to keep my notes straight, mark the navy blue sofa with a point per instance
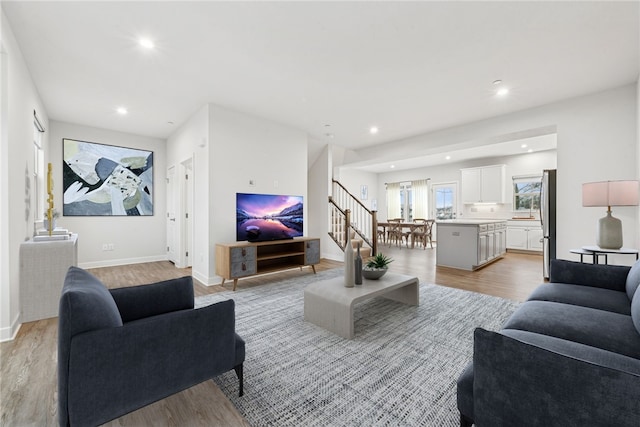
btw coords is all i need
(568, 356)
(122, 349)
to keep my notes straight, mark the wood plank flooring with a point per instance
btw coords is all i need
(28, 382)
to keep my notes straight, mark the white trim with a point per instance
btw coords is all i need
(123, 261)
(9, 334)
(207, 281)
(332, 257)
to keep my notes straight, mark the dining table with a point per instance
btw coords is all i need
(409, 226)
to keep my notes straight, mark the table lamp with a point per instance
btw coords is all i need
(610, 193)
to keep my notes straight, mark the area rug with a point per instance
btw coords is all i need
(400, 370)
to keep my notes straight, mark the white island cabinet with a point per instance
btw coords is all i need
(470, 244)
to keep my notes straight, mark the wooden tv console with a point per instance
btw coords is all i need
(243, 259)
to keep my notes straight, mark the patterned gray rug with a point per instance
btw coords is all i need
(400, 370)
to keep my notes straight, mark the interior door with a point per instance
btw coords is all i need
(172, 230)
(188, 213)
(444, 202)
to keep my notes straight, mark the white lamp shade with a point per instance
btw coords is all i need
(595, 194)
(623, 193)
(610, 193)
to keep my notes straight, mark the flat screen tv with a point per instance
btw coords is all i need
(263, 217)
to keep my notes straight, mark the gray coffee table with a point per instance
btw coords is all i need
(329, 304)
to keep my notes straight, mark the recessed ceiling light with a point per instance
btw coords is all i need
(122, 110)
(392, 166)
(503, 91)
(373, 130)
(523, 146)
(146, 43)
(447, 158)
(530, 150)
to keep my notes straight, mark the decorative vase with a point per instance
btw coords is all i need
(349, 276)
(357, 266)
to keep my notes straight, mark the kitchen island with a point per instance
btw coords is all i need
(470, 244)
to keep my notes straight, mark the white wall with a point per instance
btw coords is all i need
(135, 238)
(319, 188)
(239, 148)
(597, 140)
(191, 140)
(353, 179)
(19, 98)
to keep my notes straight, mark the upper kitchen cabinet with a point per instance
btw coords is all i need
(483, 185)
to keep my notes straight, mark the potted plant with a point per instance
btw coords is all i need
(54, 215)
(376, 266)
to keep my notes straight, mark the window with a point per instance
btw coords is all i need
(406, 202)
(444, 201)
(526, 193)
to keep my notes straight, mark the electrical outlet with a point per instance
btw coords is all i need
(105, 247)
(110, 246)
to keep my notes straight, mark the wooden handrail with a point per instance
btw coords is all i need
(365, 221)
(355, 199)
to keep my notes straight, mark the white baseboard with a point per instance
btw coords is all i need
(9, 333)
(333, 257)
(123, 261)
(205, 280)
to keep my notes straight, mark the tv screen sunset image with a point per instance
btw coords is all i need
(268, 217)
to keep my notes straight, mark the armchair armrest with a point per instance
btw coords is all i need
(612, 277)
(517, 383)
(118, 370)
(142, 301)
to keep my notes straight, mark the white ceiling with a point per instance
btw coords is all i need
(406, 67)
(520, 146)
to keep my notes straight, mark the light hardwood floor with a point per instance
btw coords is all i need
(28, 387)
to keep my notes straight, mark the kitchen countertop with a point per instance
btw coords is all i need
(471, 221)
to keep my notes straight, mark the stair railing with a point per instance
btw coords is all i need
(359, 218)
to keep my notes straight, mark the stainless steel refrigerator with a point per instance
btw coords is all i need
(548, 218)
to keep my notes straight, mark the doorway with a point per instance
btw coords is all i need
(444, 200)
(187, 217)
(180, 214)
(172, 230)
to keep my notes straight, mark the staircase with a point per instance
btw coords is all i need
(348, 215)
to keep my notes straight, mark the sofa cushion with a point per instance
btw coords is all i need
(597, 328)
(633, 280)
(596, 275)
(635, 311)
(585, 296)
(86, 304)
(139, 302)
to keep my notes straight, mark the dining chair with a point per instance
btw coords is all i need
(422, 232)
(395, 234)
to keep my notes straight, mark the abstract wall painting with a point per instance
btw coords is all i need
(106, 180)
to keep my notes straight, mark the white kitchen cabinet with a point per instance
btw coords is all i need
(483, 185)
(470, 244)
(524, 236)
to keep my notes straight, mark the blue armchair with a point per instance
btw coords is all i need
(122, 349)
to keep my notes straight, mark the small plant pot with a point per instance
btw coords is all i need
(373, 274)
